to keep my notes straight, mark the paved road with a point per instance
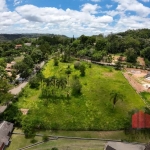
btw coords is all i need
(17, 90)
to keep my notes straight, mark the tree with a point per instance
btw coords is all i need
(101, 44)
(61, 82)
(4, 88)
(41, 78)
(12, 114)
(34, 82)
(29, 125)
(115, 96)
(37, 55)
(3, 73)
(56, 62)
(131, 55)
(76, 86)
(146, 53)
(77, 65)
(28, 61)
(83, 39)
(82, 69)
(118, 65)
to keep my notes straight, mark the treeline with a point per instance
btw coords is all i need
(7, 37)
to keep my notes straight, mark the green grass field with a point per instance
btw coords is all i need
(146, 97)
(92, 110)
(19, 141)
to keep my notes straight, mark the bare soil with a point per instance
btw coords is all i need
(136, 79)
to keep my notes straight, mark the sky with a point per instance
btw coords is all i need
(73, 17)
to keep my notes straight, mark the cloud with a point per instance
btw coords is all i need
(3, 6)
(17, 2)
(108, 6)
(53, 20)
(89, 8)
(95, 1)
(133, 5)
(89, 20)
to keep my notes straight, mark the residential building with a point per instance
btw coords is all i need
(124, 146)
(6, 129)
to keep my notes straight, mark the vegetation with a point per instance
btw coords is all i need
(19, 141)
(89, 110)
(80, 93)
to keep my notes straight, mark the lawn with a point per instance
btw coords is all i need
(19, 141)
(19, 58)
(146, 97)
(92, 110)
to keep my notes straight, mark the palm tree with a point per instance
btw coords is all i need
(115, 96)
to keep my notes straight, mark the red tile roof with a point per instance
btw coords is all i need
(140, 120)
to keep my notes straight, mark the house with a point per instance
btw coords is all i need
(27, 44)
(123, 146)
(6, 129)
(18, 46)
(140, 120)
(9, 66)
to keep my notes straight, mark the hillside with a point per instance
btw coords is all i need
(7, 37)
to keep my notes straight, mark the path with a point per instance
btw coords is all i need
(17, 90)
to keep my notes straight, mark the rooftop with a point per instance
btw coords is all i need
(5, 130)
(124, 146)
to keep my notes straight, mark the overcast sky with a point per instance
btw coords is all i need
(73, 17)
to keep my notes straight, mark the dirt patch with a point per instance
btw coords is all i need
(141, 61)
(136, 78)
(133, 82)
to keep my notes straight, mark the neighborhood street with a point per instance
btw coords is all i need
(17, 90)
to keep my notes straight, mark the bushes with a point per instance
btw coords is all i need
(45, 138)
(76, 86)
(77, 65)
(56, 62)
(81, 67)
(34, 83)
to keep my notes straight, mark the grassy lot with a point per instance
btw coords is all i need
(18, 59)
(146, 96)
(19, 141)
(92, 110)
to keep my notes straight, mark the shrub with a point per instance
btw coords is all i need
(54, 148)
(77, 65)
(56, 62)
(34, 83)
(33, 141)
(45, 138)
(68, 70)
(76, 86)
(82, 69)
